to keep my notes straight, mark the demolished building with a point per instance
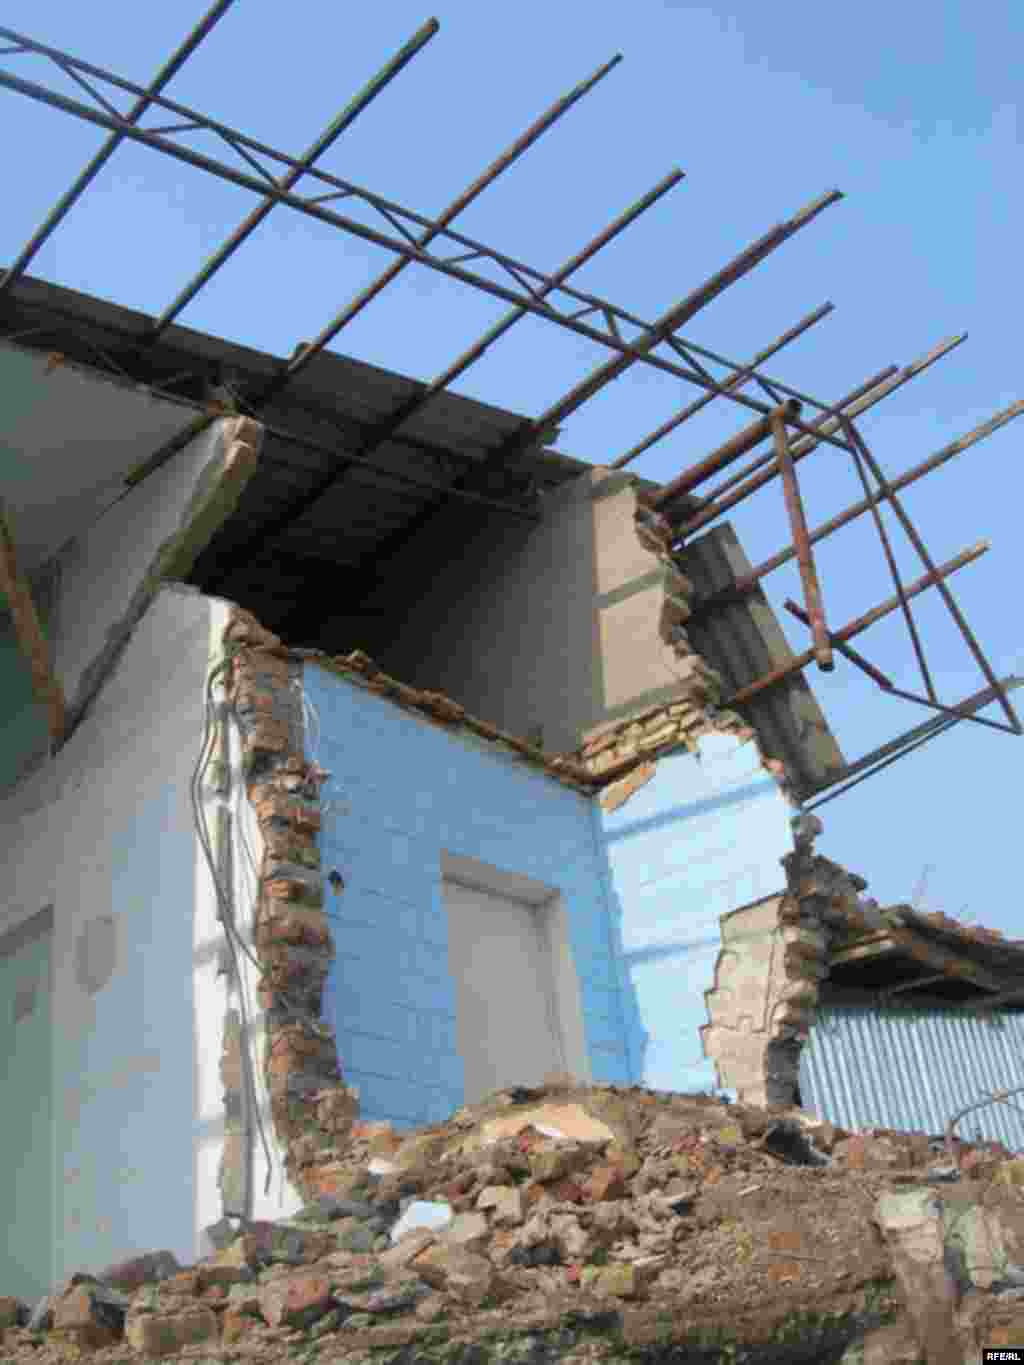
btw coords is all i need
(310, 671)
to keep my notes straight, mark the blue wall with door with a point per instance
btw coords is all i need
(402, 790)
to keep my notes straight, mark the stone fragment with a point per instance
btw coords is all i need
(238, 1322)
(81, 1320)
(463, 1274)
(605, 1182)
(408, 1247)
(505, 1202)
(470, 1230)
(160, 1334)
(619, 1281)
(554, 1163)
(296, 1301)
(9, 1311)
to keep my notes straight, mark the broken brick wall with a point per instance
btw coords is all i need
(774, 957)
(353, 868)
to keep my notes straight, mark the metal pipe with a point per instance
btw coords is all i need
(847, 632)
(763, 461)
(904, 744)
(798, 525)
(951, 710)
(947, 597)
(613, 229)
(804, 447)
(678, 315)
(740, 378)
(387, 428)
(265, 187)
(848, 652)
(64, 204)
(313, 153)
(749, 581)
(736, 446)
(462, 201)
(859, 448)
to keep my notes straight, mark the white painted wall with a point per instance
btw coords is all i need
(105, 833)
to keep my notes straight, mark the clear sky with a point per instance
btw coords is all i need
(912, 110)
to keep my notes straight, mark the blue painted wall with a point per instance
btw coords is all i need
(401, 791)
(703, 837)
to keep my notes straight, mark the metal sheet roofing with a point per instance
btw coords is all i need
(743, 641)
(911, 1069)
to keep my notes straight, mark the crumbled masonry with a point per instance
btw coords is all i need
(310, 1104)
(585, 1224)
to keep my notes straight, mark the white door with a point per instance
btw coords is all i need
(500, 960)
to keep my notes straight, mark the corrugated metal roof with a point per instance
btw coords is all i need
(743, 641)
(911, 1069)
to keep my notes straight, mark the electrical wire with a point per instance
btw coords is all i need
(234, 940)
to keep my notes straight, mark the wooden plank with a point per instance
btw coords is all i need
(30, 635)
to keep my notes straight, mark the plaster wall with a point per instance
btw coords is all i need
(704, 836)
(104, 833)
(111, 569)
(403, 797)
(544, 629)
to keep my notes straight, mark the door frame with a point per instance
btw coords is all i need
(565, 1001)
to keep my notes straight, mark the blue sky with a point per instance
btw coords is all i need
(912, 110)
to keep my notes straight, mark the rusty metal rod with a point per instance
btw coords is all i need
(804, 447)
(46, 686)
(331, 133)
(553, 282)
(738, 380)
(315, 207)
(763, 461)
(462, 201)
(145, 98)
(678, 315)
(915, 539)
(749, 581)
(859, 450)
(736, 446)
(798, 526)
(847, 632)
(847, 651)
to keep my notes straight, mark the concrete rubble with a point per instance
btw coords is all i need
(583, 1224)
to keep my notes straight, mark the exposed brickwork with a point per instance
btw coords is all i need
(311, 1107)
(775, 955)
(632, 745)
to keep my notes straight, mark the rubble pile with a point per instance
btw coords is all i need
(586, 1224)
